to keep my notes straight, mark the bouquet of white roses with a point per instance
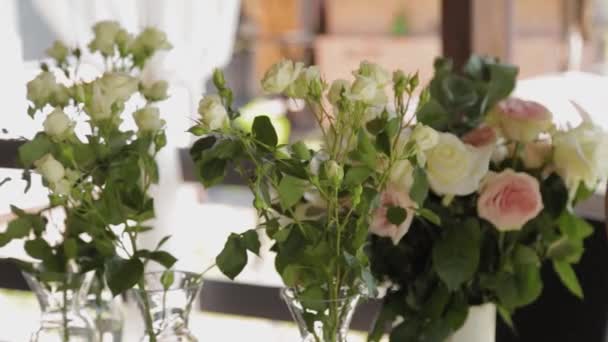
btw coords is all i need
(318, 205)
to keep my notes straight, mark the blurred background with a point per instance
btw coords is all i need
(561, 47)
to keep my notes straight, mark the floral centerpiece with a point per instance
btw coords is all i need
(318, 205)
(98, 171)
(501, 180)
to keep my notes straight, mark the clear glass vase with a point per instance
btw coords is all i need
(321, 320)
(60, 297)
(104, 311)
(166, 308)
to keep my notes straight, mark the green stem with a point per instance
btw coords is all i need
(64, 312)
(147, 314)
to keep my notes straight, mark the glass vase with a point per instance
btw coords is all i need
(60, 297)
(321, 320)
(166, 305)
(104, 311)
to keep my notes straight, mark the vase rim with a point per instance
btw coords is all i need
(60, 276)
(185, 274)
(289, 293)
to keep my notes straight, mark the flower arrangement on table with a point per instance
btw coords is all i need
(100, 172)
(501, 181)
(316, 205)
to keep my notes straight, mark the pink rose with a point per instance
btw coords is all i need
(481, 136)
(381, 225)
(520, 120)
(509, 199)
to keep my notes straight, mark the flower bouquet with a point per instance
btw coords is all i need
(317, 205)
(97, 172)
(501, 181)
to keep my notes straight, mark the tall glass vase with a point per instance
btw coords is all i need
(104, 311)
(167, 305)
(321, 321)
(60, 300)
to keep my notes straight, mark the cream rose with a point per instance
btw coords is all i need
(150, 40)
(156, 91)
(425, 137)
(213, 113)
(509, 199)
(337, 88)
(520, 120)
(50, 168)
(41, 88)
(62, 187)
(105, 35)
(118, 86)
(98, 106)
(148, 119)
(57, 124)
(375, 72)
(301, 86)
(280, 76)
(58, 51)
(380, 224)
(366, 90)
(581, 155)
(454, 168)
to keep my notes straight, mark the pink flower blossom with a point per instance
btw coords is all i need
(481, 136)
(381, 225)
(509, 199)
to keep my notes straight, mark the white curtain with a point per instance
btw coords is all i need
(202, 33)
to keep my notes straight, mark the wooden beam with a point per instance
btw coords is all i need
(492, 28)
(456, 30)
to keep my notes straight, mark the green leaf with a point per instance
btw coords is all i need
(506, 316)
(201, 145)
(429, 215)
(70, 248)
(365, 151)
(252, 241)
(434, 115)
(123, 274)
(263, 131)
(568, 277)
(383, 142)
(301, 151)
(4, 240)
(34, 150)
(5, 180)
(565, 249)
(167, 279)
(38, 249)
(313, 298)
(356, 175)
(163, 258)
(211, 172)
(503, 78)
(456, 255)
(376, 125)
(18, 228)
(573, 226)
(291, 190)
(420, 187)
(233, 257)
(554, 194)
(396, 215)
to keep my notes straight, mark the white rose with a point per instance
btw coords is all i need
(454, 168)
(62, 187)
(148, 119)
(98, 107)
(366, 90)
(581, 155)
(58, 124)
(50, 168)
(58, 51)
(425, 137)
(280, 76)
(334, 172)
(375, 72)
(41, 88)
(337, 88)
(105, 36)
(118, 86)
(301, 86)
(213, 113)
(60, 96)
(149, 41)
(156, 91)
